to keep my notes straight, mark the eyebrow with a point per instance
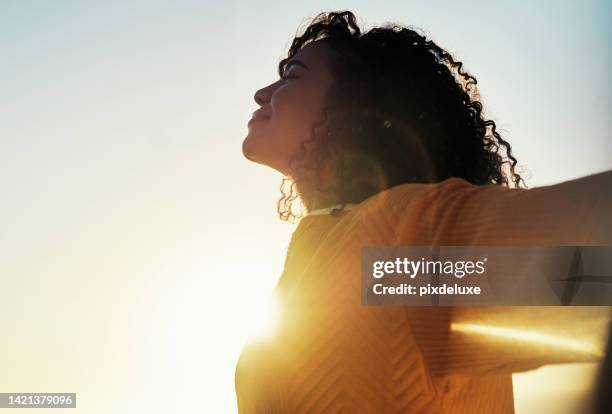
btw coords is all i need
(296, 62)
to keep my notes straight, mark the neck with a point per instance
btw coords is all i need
(315, 199)
(323, 202)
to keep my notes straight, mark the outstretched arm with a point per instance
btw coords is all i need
(455, 212)
(502, 340)
(479, 340)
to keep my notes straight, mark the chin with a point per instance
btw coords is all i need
(249, 149)
(262, 151)
(247, 146)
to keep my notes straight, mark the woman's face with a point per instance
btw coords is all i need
(289, 108)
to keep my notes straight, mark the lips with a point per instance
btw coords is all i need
(257, 117)
(253, 120)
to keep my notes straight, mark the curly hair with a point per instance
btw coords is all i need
(401, 110)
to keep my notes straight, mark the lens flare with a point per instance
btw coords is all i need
(532, 337)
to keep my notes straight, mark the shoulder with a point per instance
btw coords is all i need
(396, 199)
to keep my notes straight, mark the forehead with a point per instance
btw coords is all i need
(316, 56)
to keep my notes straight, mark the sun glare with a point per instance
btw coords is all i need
(262, 317)
(534, 337)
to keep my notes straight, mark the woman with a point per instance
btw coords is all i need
(382, 138)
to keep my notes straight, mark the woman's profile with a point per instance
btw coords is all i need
(382, 138)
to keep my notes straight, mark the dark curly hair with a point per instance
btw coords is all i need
(401, 110)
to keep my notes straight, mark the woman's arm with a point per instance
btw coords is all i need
(485, 340)
(498, 340)
(455, 212)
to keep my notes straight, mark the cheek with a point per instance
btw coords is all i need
(295, 112)
(286, 135)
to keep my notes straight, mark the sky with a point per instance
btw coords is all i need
(138, 247)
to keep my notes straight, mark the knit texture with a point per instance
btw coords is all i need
(330, 354)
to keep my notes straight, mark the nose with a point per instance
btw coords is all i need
(259, 98)
(262, 96)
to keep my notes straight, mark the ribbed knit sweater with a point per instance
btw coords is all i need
(331, 354)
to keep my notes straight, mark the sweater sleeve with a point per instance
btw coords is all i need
(496, 340)
(455, 212)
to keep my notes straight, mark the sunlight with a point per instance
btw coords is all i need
(262, 319)
(219, 309)
(534, 337)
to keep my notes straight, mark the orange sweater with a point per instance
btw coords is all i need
(333, 355)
